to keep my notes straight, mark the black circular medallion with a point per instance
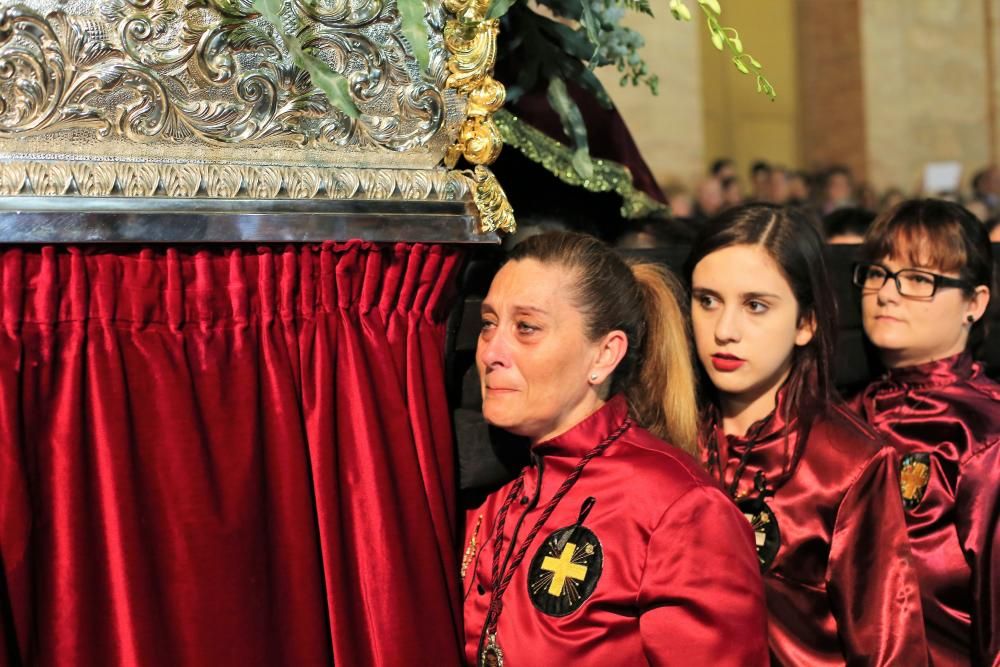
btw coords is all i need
(767, 537)
(565, 570)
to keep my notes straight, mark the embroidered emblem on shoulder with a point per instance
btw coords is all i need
(766, 535)
(565, 570)
(914, 474)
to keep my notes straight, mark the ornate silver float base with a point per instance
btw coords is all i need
(29, 219)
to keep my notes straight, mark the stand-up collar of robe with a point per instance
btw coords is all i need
(580, 439)
(948, 391)
(767, 438)
(938, 373)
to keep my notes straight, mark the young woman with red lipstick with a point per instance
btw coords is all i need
(613, 547)
(819, 490)
(925, 285)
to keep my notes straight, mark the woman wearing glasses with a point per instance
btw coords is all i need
(817, 487)
(925, 285)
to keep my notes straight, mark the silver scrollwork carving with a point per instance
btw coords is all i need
(175, 78)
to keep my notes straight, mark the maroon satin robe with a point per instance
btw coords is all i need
(943, 418)
(679, 584)
(841, 588)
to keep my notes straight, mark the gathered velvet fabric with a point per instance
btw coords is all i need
(233, 456)
(841, 588)
(943, 418)
(678, 585)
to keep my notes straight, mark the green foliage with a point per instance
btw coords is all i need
(724, 37)
(639, 6)
(679, 10)
(333, 84)
(544, 49)
(573, 126)
(411, 16)
(498, 8)
(615, 44)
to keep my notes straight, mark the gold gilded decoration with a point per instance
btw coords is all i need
(135, 180)
(472, 42)
(45, 180)
(494, 210)
(482, 140)
(567, 566)
(914, 475)
(471, 39)
(252, 182)
(473, 46)
(608, 176)
(12, 177)
(93, 180)
(470, 548)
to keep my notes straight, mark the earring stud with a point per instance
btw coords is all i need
(593, 377)
(970, 318)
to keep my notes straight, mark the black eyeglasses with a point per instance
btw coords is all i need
(909, 282)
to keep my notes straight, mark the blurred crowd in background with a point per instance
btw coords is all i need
(844, 206)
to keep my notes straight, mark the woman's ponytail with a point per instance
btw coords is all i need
(663, 392)
(644, 301)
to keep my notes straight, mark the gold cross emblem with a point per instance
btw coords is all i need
(913, 478)
(563, 568)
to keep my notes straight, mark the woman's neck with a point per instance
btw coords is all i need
(591, 404)
(741, 411)
(907, 358)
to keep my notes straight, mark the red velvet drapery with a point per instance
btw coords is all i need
(226, 456)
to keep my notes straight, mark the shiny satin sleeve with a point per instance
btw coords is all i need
(701, 598)
(977, 515)
(873, 586)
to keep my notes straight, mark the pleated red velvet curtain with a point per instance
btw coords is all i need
(233, 456)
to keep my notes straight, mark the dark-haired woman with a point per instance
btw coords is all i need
(925, 285)
(815, 484)
(613, 547)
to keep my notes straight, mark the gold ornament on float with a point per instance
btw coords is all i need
(471, 39)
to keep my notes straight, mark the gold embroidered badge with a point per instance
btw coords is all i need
(565, 570)
(914, 474)
(767, 536)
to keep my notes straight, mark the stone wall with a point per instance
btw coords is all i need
(926, 87)
(740, 123)
(883, 86)
(831, 92)
(667, 127)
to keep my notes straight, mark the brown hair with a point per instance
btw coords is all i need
(940, 235)
(789, 236)
(643, 301)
